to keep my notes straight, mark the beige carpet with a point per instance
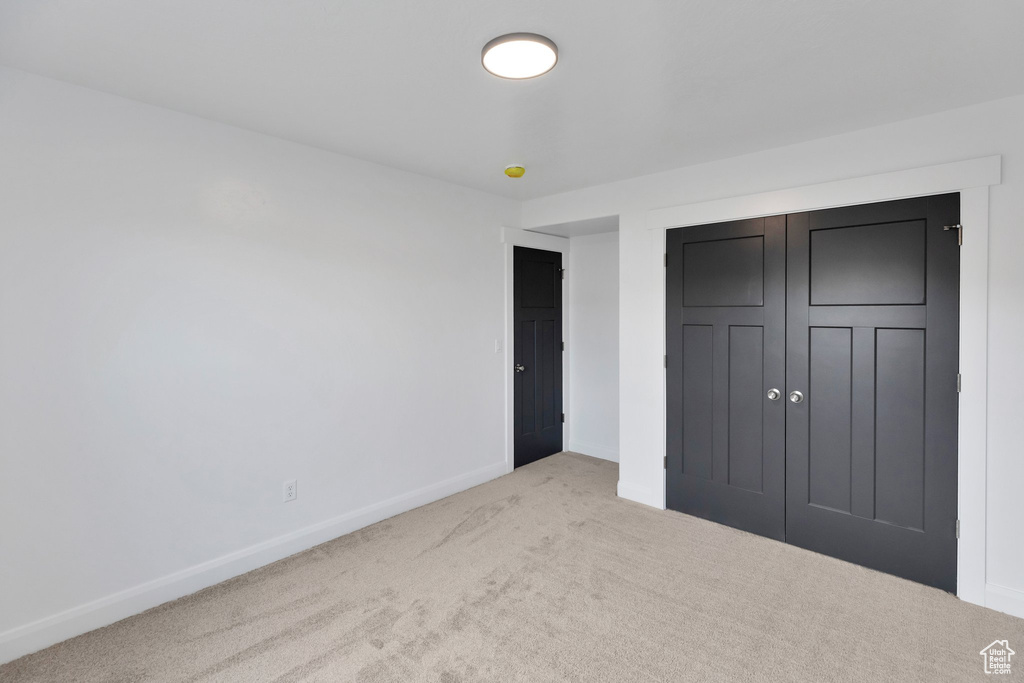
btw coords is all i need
(544, 575)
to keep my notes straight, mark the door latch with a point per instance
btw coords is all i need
(959, 232)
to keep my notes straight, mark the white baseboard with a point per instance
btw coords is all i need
(1009, 600)
(37, 635)
(640, 494)
(593, 450)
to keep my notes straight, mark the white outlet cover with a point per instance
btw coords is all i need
(290, 491)
(497, 346)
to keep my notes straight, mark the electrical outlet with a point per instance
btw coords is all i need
(290, 490)
(497, 346)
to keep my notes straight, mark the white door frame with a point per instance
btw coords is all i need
(513, 237)
(972, 179)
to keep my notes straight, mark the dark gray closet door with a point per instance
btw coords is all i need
(871, 449)
(726, 350)
(537, 315)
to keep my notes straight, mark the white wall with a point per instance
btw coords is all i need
(593, 276)
(992, 128)
(189, 315)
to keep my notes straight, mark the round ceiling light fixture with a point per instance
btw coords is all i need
(519, 55)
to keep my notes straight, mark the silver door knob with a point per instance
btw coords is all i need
(520, 368)
(796, 397)
(774, 394)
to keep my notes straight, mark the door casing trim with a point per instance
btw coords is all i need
(511, 238)
(972, 179)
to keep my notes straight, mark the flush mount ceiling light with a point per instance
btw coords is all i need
(519, 55)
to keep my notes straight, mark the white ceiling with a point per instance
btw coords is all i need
(581, 228)
(641, 85)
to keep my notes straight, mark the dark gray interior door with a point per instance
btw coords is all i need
(537, 316)
(873, 301)
(726, 352)
(852, 315)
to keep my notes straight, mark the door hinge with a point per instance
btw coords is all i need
(959, 382)
(665, 462)
(666, 259)
(666, 361)
(561, 272)
(958, 528)
(563, 417)
(959, 232)
(563, 346)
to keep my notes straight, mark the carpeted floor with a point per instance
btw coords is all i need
(544, 575)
